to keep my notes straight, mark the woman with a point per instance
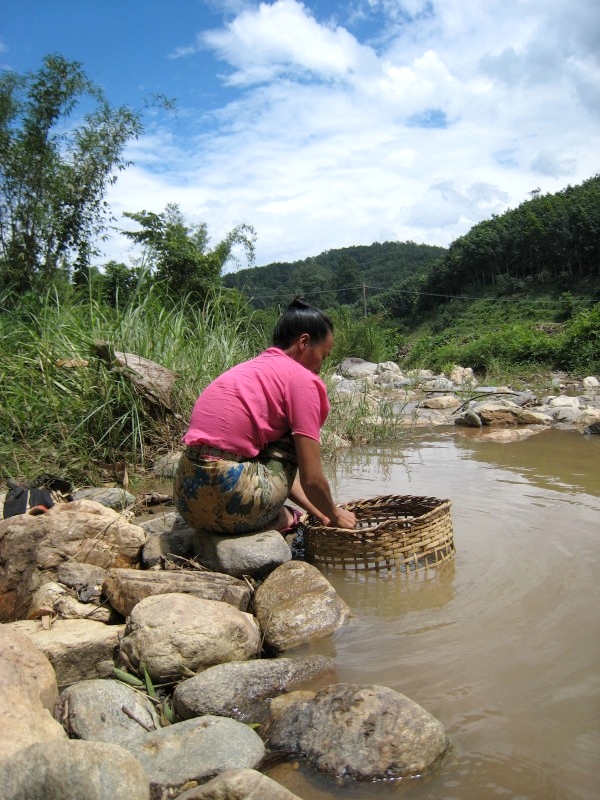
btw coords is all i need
(253, 438)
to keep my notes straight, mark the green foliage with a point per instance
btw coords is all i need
(579, 347)
(54, 173)
(180, 255)
(368, 338)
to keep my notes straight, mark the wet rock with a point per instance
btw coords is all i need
(196, 750)
(110, 497)
(470, 419)
(28, 692)
(168, 536)
(242, 690)
(254, 554)
(103, 711)
(508, 435)
(173, 634)
(32, 548)
(594, 428)
(74, 647)
(295, 604)
(72, 770)
(66, 605)
(124, 588)
(366, 732)
(239, 784)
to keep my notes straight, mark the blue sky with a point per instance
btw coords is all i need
(326, 124)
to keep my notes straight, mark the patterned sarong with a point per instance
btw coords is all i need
(219, 492)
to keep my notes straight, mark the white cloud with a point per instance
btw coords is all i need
(451, 113)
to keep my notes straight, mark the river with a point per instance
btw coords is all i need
(501, 643)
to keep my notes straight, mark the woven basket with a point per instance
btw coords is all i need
(393, 534)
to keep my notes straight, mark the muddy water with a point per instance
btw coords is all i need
(501, 644)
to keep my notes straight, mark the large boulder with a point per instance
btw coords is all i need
(124, 588)
(349, 731)
(254, 554)
(32, 548)
(243, 689)
(76, 648)
(72, 770)
(28, 692)
(195, 750)
(175, 634)
(295, 604)
(503, 412)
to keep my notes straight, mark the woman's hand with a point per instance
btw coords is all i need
(343, 519)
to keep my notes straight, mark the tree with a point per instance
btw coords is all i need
(53, 173)
(180, 254)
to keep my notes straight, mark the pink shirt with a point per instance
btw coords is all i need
(257, 402)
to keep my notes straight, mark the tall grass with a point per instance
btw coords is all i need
(64, 409)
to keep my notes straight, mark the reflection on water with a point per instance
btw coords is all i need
(501, 644)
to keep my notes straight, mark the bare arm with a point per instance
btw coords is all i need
(314, 486)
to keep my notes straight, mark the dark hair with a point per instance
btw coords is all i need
(299, 318)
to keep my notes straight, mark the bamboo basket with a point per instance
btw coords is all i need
(394, 534)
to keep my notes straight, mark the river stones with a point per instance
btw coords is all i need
(351, 731)
(243, 689)
(174, 634)
(295, 604)
(239, 784)
(71, 770)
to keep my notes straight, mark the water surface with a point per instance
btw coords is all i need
(501, 643)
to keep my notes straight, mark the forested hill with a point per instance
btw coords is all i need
(336, 277)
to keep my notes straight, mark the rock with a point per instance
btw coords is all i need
(94, 710)
(443, 401)
(563, 401)
(461, 375)
(389, 366)
(32, 548)
(594, 428)
(124, 588)
(295, 604)
(166, 466)
(243, 689)
(503, 412)
(357, 368)
(173, 634)
(74, 647)
(346, 387)
(387, 378)
(470, 419)
(591, 382)
(111, 497)
(566, 414)
(66, 606)
(440, 384)
(239, 784)
(418, 375)
(254, 554)
(365, 732)
(508, 435)
(86, 579)
(28, 693)
(196, 750)
(168, 536)
(72, 770)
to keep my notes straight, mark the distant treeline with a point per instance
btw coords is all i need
(548, 244)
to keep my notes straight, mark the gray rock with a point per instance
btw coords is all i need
(366, 732)
(591, 382)
(440, 383)
(196, 750)
(72, 770)
(242, 690)
(124, 588)
(169, 536)
(594, 428)
(295, 604)
(86, 579)
(111, 497)
(166, 466)
(94, 710)
(239, 784)
(470, 419)
(357, 368)
(172, 634)
(62, 601)
(566, 414)
(254, 554)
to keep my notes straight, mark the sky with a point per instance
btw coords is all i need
(328, 124)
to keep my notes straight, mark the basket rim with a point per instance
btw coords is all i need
(439, 506)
